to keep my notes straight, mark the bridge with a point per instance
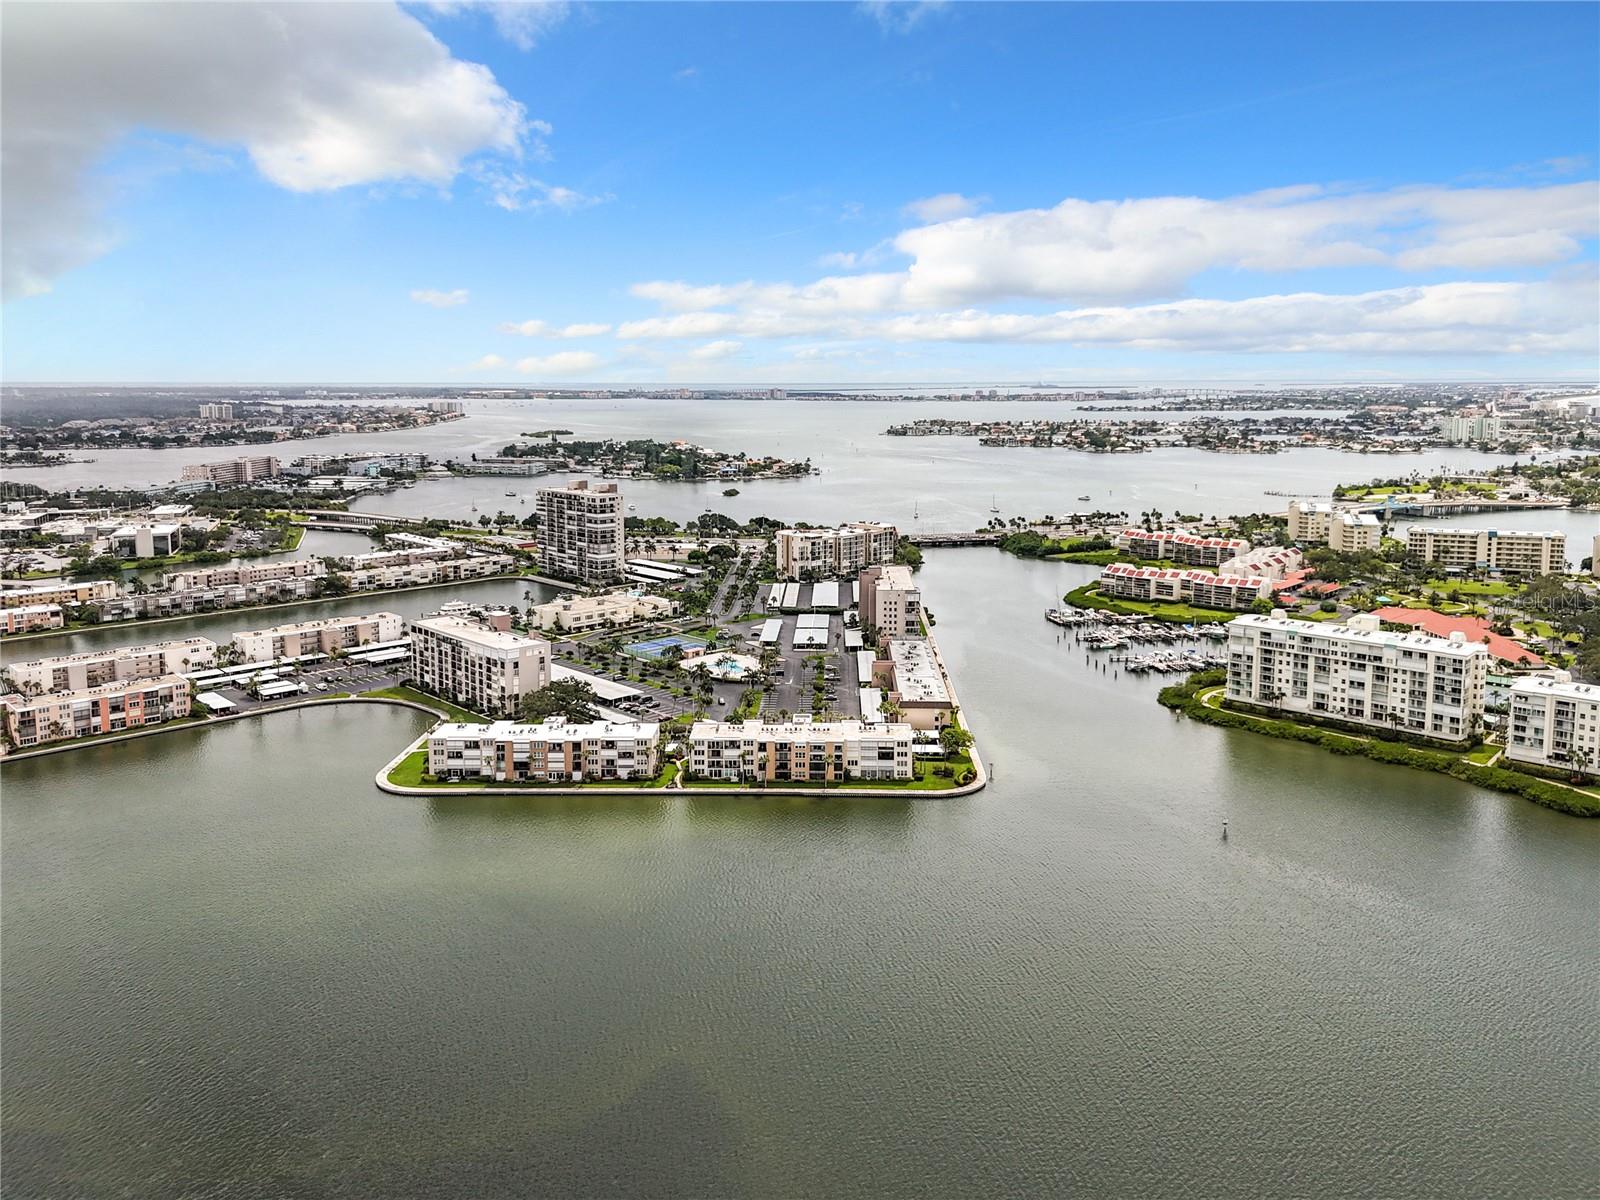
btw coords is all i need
(977, 537)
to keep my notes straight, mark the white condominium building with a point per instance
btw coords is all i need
(1468, 425)
(235, 470)
(581, 531)
(1514, 551)
(1177, 546)
(1267, 562)
(147, 541)
(124, 704)
(831, 553)
(1202, 588)
(575, 614)
(1356, 672)
(74, 672)
(891, 602)
(444, 570)
(1309, 522)
(317, 637)
(1555, 723)
(552, 751)
(487, 670)
(244, 575)
(19, 595)
(918, 685)
(1354, 533)
(798, 751)
(216, 412)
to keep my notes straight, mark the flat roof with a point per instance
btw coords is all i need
(606, 689)
(916, 675)
(810, 638)
(482, 635)
(825, 595)
(813, 621)
(215, 700)
(771, 629)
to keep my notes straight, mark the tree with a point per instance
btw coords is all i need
(954, 739)
(573, 699)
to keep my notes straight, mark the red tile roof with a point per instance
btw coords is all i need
(1476, 629)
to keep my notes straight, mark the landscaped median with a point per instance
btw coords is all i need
(1200, 697)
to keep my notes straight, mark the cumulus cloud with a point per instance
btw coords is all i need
(565, 362)
(435, 299)
(543, 329)
(487, 363)
(320, 96)
(713, 351)
(516, 192)
(946, 206)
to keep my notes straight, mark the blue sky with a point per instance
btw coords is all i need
(794, 193)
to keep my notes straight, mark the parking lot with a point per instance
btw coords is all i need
(321, 679)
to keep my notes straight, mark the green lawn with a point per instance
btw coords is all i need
(1474, 587)
(925, 781)
(1089, 596)
(1482, 754)
(456, 712)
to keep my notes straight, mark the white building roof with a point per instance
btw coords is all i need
(916, 675)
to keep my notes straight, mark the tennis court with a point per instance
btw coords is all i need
(655, 647)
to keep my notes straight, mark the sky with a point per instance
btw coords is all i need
(777, 194)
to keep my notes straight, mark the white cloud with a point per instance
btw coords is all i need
(321, 96)
(946, 206)
(523, 23)
(449, 299)
(712, 351)
(687, 73)
(565, 362)
(487, 363)
(543, 329)
(901, 16)
(516, 192)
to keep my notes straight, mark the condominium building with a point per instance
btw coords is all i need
(235, 470)
(1594, 559)
(798, 751)
(1309, 522)
(1354, 533)
(446, 570)
(317, 637)
(206, 599)
(216, 412)
(244, 575)
(91, 668)
(581, 531)
(1513, 551)
(446, 406)
(1555, 723)
(1267, 562)
(124, 704)
(1187, 548)
(28, 617)
(1202, 588)
(403, 556)
(553, 751)
(1145, 543)
(1359, 673)
(891, 601)
(18, 595)
(1466, 426)
(487, 670)
(836, 552)
(917, 684)
(576, 614)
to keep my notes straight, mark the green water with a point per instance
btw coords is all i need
(232, 967)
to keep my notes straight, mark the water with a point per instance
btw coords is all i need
(232, 967)
(919, 483)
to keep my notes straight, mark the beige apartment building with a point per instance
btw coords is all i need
(835, 552)
(578, 614)
(891, 601)
(124, 704)
(916, 684)
(581, 531)
(1309, 522)
(57, 592)
(1354, 533)
(553, 751)
(1512, 551)
(30, 617)
(799, 751)
(485, 669)
(1555, 722)
(1357, 672)
(75, 672)
(317, 637)
(244, 575)
(235, 470)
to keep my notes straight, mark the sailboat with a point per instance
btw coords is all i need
(994, 503)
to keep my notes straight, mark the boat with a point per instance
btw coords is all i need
(994, 504)
(511, 493)
(1085, 497)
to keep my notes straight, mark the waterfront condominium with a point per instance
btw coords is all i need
(30, 617)
(1354, 533)
(1204, 589)
(19, 595)
(1359, 673)
(1187, 548)
(108, 708)
(799, 751)
(235, 470)
(74, 672)
(552, 751)
(1555, 723)
(837, 552)
(243, 575)
(581, 531)
(1513, 551)
(891, 602)
(317, 637)
(1309, 522)
(486, 669)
